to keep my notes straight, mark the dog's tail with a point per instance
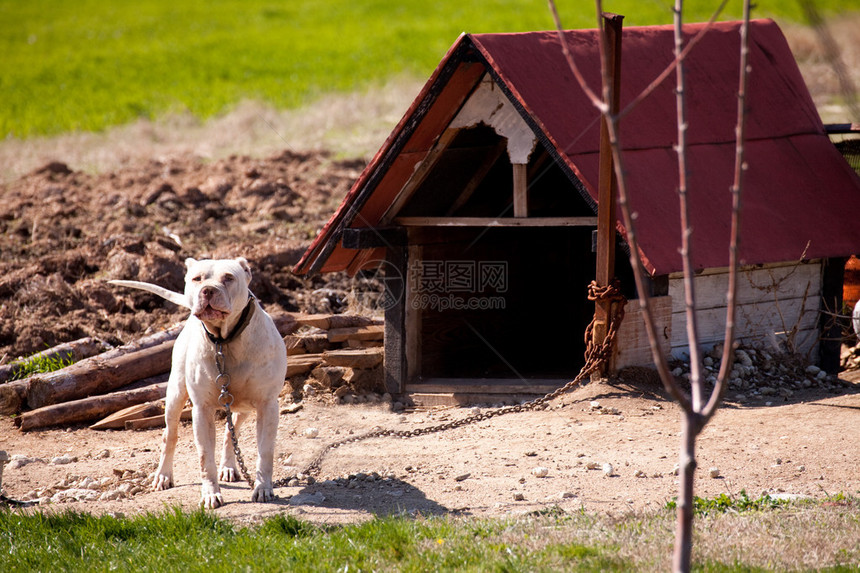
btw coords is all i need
(174, 297)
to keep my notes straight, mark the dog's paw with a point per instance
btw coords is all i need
(162, 482)
(211, 500)
(263, 494)
(228, 474)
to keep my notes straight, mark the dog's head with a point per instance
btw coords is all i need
(217, 290)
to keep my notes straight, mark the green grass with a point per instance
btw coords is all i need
(723, 503)
(90, 64)
(200, 541)
(812, 535)
(38, 364)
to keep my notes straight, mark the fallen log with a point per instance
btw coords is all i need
(74, 351)
(13, 395)
(98, 375)
(88, 409)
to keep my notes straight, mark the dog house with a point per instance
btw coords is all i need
(481, 209)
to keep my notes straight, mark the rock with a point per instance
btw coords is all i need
(518, 496)
(607, 469)
(714, 473)
(540, 472)
(307, 499)
(19, 461)
(311, 432)
(462, 477)
(63, 460)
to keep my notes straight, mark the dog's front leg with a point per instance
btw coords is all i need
(267, 429)
(229, 468)
(204, 437)
(176, 397)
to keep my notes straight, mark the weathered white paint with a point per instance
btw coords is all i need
(633, 347)
(488, 105)
(775, 303)
(773, 300)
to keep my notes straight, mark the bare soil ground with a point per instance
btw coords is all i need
(805, 447)
(64, 232)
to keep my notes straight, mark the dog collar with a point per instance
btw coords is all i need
(244, 320)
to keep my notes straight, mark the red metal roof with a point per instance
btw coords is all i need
(797, 189)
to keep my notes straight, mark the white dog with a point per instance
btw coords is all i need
(222, 310)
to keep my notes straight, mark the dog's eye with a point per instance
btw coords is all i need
(197, 279)
(229, 278)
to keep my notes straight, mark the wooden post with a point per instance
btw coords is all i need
(605, 271)
(394, 362)
(521, 190)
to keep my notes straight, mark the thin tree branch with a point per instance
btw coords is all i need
(671, 67)
(737, 187)
(595, 101)
(686, 229)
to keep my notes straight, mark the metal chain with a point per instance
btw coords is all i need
(595, 355)
(226, 400)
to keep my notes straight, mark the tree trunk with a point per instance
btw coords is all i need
(98, 375)
(686, 472)
(89, 409)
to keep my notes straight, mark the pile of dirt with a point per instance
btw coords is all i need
(64, 233)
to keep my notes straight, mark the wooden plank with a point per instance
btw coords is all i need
(724, 270)
(539, 386)
(430, 400)
(117, 420)
(373, 237)
(354, 358)
(302, 364)
(753, 322)
(420, 174)
(759, 285)
(154, 421)
(412, 321)
(496, 221)
(521, 190)
(394, 330)
(632, 345)
(372, 332)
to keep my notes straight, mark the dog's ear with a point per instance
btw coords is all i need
(243, 262)
(189, 261)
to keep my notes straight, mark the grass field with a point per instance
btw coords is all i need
(92, 64)
(732, 537)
